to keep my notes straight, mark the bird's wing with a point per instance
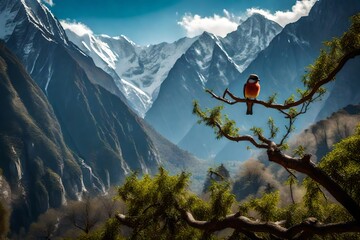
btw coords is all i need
(244, 90)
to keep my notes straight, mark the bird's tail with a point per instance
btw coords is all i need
(249, 110)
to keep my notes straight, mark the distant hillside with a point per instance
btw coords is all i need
(320, 137)
(257, 176)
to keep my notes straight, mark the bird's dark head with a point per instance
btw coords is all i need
(253, 78)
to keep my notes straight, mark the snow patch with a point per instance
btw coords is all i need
(7, 24)
(96, 182)
(49, 76)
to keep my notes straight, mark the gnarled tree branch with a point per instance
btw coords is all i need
(304, 165)
(304, 99)
(241, 223)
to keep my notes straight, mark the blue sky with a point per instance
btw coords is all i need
(153, 21)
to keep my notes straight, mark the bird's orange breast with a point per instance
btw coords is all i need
(252, 90)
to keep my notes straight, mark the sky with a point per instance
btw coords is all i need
(154, 21)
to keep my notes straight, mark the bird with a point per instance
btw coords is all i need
(251, 91)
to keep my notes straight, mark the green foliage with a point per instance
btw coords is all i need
(343, 164)
(291, 180)
(214, 119)
(257, 131)
(272, 98)
(293, 112)
(152, 204)
(284, 147)
(290, 100)
(273, 128)
(266, 206)
(332, 54)
(218, 175)
(299, 151)
(221, 199)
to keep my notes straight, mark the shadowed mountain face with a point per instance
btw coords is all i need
(93, 137)
(283, 63)
(97, 125)
(40, 168)
(209, 63)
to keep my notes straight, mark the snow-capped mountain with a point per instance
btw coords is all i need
(283, 63)
(204, 65)
(252, 36)
(103, 138)
(138, 71)
(208, 63)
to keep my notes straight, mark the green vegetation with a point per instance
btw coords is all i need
(4, 220)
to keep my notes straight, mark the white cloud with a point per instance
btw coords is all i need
(222, 25)
(218, 25)
(49, 2)
(78, 28)
(301, 8)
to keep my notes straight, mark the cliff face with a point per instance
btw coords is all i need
(65, 126)
(320, 137)
(40, 168)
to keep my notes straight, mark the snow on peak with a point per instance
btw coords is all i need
(7, 16)
(42, 18)
(139, 71)
(78, 28)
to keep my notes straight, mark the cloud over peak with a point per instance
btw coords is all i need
(78, 28)
(221, 25)
(218, 25)
(300, 9)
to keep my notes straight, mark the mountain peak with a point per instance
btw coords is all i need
(207, 35)
(39, 15)
(257, 16)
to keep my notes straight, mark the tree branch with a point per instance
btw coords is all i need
(244, 224)
(304, 99)
(304, 165)
(127, 221)
(243, 138)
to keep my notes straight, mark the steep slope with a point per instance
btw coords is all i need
(33, 33)
(138, 71)
(281, 65)
(345, 90)
(110, 139)
(41, 170)
(251, 37)
(284, 61)
(210, 63)
(204, 65)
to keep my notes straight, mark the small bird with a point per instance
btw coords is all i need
(251, 91)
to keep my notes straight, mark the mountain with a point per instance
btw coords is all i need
(104, 139)
(138, 71)
(281, 66)
(320, 138)
(285, 60)
(250, 38)
(210, 63)
(204, 65)
(41, 170)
